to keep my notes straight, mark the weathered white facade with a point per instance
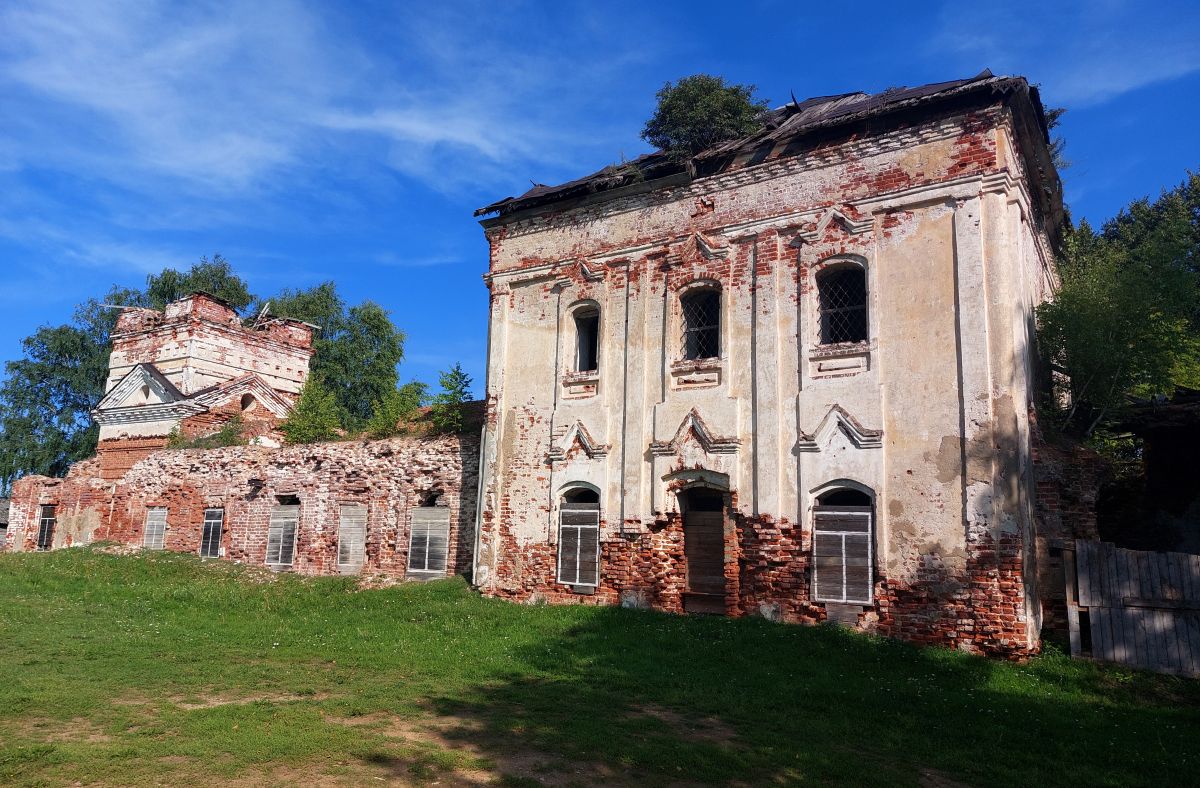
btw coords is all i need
(941, 203)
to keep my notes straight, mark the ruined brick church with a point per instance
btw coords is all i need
(792, 377)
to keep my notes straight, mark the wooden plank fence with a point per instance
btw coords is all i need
(1137, 608)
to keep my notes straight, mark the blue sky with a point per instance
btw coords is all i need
(352, 141)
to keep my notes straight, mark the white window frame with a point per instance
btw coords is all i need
(419, 513)
(154, 533)
(47, 523)
(352, 517)
(210, 520)
(281, 515)
(865, 513)
(577, 509)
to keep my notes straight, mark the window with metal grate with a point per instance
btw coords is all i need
(156, 528)
(579, 544)
(46, 523)
(701, 324)
(842, 293)
(842, 554)
(430, 539)
(352, 536)
(281, 534)
(210, 533)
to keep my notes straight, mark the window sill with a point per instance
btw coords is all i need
(696, 373)
(578, 385)
(840, 360)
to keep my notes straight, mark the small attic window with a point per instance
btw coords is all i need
(248, 403)
(146, 393)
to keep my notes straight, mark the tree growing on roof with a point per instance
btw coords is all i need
(699, 111)
(316, 415)
(447, 410)
(395, 407)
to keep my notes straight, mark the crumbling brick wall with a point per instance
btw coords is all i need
(1068, 478)
(389, 477)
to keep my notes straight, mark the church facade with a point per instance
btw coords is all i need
(791, 378)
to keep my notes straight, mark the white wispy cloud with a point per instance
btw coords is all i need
(1084, 54)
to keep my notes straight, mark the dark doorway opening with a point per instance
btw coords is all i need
(704, 550)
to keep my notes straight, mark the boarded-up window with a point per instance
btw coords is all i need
(46, 521)
(210, 534)
(281, 536)
(352, 536)
(156, 528)
(430, 539)
(579, 544)
(842, 554)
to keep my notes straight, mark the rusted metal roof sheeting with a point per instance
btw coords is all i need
(787, 122)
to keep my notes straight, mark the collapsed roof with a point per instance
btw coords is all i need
(801, 125)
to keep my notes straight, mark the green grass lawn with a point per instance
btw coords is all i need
(162, 669)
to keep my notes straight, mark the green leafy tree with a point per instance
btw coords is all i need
(447, 410)
(1124, 321)
(396, 407)
(316, 416)
(355, 352)
(699, 111)
(215, 277)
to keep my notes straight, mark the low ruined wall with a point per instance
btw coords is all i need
(389, 476)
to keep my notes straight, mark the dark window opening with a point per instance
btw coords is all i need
(582, 495)
(843, 305)
(844, 497)
(210, 534)
(587, 331)
(701, 325)
(46, 521)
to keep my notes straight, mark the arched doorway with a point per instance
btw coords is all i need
(704, 549)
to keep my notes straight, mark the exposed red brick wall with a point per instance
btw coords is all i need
(119, 455)
(1068, 478)
(390, 477)
(768, 573)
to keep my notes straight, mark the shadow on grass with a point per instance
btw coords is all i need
(652, 697)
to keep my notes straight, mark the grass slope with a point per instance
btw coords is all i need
(160, 668)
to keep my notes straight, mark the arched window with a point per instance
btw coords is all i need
(843, 547)
(587, 339)
(842, 292)
(579, 539)
(701, 324)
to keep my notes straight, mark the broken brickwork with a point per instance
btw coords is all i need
(905, 425)
(390, 478)
(191, 367)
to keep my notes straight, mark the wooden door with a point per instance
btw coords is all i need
(704, 550)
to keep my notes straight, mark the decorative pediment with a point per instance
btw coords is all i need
(576, 435)
(143, 385)
(708, 249)
(817, 229)
(840, 420)
(239, 387)
(587, 273)
(694, 426)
